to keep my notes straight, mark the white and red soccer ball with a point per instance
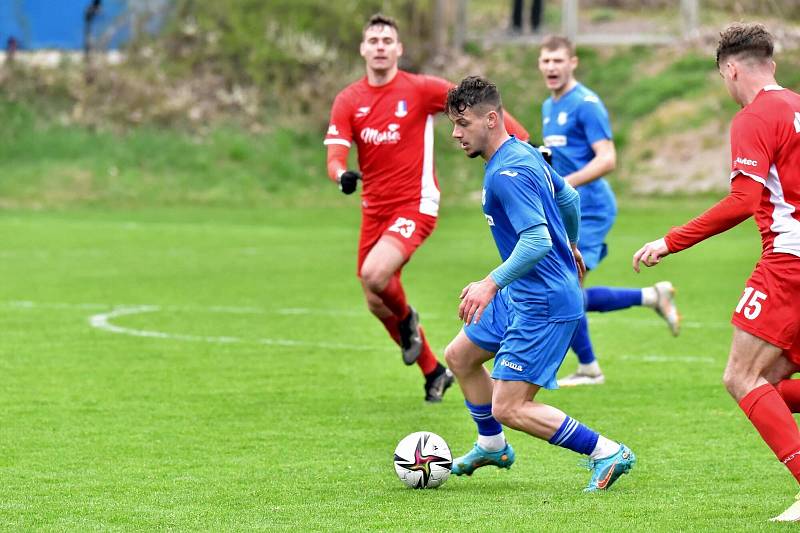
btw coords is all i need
(423, 460)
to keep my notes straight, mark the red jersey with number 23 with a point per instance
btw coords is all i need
(392, 126)
(765, 146)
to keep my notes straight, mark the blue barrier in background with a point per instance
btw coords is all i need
(59, 24)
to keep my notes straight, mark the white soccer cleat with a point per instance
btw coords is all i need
(792, 514)
(577, 379)
(665, 306)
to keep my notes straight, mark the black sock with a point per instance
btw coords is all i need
(435, 373)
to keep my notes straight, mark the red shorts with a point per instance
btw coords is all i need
(770, 305)
(406, 224)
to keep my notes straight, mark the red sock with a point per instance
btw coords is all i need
(392, 326)
(394, 297)
(768, 413)
(427, 361)
(789, 389)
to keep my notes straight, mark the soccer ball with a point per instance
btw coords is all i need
(423, 460)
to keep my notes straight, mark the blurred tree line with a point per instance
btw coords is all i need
(251, 61)
(259, 61)
(296, 50)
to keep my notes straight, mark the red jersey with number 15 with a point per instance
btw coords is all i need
(392, 126)
(765, 146)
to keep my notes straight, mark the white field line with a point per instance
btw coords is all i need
(594, 318)
(26, 304)
(103, 321)
(652, 358)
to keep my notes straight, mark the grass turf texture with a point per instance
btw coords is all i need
(271, 427)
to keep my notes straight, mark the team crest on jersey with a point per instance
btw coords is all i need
(362, 112)
(401, 110)
(562, 118)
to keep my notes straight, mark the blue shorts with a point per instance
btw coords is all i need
(594, 228)
(525, 350)
(495, 320)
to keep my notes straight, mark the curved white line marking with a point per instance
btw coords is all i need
(599, 318)
(650, 358)
(103, 321)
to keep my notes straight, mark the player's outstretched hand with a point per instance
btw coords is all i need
(578, 262)
(348, 181)
(474, 299)
(650, 254)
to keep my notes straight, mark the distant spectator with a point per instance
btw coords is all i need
(537, 8)
(11, 49)
(88, 19)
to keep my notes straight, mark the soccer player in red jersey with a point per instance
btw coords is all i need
(388, 114)
(765, 183)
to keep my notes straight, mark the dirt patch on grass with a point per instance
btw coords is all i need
(683, 162)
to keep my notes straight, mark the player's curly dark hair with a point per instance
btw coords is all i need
(471, 92)
(379, 19)
(751, 41)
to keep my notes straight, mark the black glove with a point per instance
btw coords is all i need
(348, 181)
(546, 152)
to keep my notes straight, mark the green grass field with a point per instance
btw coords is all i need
(212, 369)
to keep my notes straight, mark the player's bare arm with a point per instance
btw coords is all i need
(604, 161)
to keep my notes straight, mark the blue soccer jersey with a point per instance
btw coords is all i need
(519, 193)
(570, 125)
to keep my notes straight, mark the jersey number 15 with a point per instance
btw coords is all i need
(751, 303)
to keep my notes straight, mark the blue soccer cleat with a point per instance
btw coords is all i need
(607, 470)
(478, 457)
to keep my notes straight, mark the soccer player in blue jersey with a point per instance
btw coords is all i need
(576, 128)
(525, 311)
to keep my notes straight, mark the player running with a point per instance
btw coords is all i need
(765, 183)
(576, 128)
(527, 309)
(388, 114)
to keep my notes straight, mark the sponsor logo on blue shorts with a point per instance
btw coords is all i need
(512, 366)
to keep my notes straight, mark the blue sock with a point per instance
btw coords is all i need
(582, 344)
(482, 415)
(611, 298)
(575, 436)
